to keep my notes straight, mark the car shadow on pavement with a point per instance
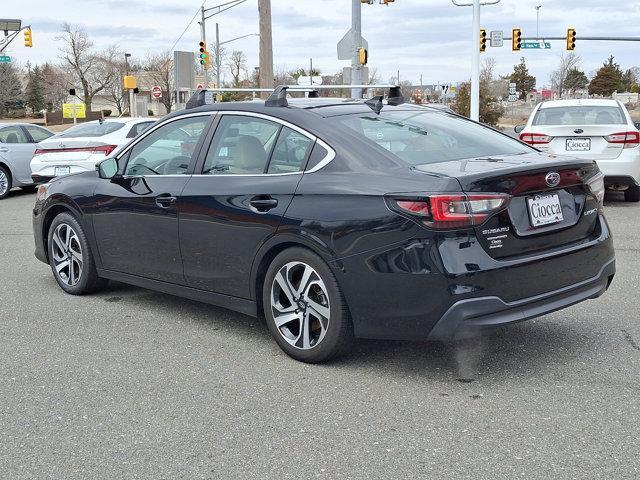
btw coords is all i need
(522, 349)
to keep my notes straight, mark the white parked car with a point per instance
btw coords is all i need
(80, 148)
(599, 129)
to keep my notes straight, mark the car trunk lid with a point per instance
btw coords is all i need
(542, 214)
(72, 149)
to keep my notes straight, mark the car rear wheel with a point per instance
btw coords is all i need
(5, 182)
(70, 257)
(632, 194)
(304, 307)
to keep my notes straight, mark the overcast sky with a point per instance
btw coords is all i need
(428, 37)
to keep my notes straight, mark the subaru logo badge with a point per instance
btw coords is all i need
(552, 179)
(578, 130)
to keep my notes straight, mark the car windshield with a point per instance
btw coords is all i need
(580, 115)
(429, 137)
(93, 129)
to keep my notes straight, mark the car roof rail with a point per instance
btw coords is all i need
(278, 97)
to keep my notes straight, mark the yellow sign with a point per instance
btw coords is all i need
(129, 82)
(74, 110)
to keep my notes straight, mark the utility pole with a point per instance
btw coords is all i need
(203, 38)
(356, 27)
(266, 45)
(218, 59)
(538, 7)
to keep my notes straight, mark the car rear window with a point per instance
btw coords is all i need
(92, 129)
(580, 115)
(429, 137)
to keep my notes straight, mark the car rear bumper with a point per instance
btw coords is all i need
(43, 171)
(39, 179)
(467, 317)
(627, 165)
(439, 288)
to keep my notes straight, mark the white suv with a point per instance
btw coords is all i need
(599, 129)
(80, 148)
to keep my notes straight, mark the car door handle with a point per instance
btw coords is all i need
(4, 149)
(263, 203)
(165, 201)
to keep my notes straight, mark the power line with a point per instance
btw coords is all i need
(188, 25)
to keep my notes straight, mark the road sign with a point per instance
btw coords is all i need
(348, 44)
(74, 110)
(156, 91)
(496, 38)
(513, 97)
(199, 86)
(5, 59)
(535, 44)
(512, 88)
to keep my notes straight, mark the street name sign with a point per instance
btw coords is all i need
(535, 45)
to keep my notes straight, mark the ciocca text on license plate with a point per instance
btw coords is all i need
(544, 209)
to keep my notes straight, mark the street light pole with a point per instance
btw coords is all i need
(218, 60)
(538, 7)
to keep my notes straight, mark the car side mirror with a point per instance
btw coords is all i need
(518, 128)
(108, 168)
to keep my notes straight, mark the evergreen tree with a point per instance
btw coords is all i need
(10, 88)
(576, 79)
(34, 93)
(607, 80)
(520, 76)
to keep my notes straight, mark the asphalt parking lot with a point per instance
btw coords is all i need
(130, 383)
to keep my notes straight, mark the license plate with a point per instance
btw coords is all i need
(544, 209)
(58, 171)
(578, 145)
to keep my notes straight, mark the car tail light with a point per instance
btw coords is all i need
(535, 138)
(105, 149)
(596, 187)
(445, 211)
(628, 139)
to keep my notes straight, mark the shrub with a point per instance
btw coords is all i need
(150, 113)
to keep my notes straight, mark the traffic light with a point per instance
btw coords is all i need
(363, 56)
(483, 40)
(28, 39)
(516, 39)
(204, 55)
(571, 38)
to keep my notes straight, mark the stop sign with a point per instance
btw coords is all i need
(156, 92)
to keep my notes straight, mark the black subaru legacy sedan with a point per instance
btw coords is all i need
(334, 220)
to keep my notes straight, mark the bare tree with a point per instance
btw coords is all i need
(374, 76)
(160, 69)
(56, 82)
(237, 64)
(558, 76)
(115, 91)
(216, 65)
(94, 71)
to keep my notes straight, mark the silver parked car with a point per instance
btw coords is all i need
(18, 141)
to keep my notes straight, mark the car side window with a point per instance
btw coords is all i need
(38, 134)
(13, 134)
(163, 151)
(292, 149)
(138, 128)
(241, 146)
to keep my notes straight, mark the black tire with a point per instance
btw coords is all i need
(4, 191)
(338, 334)
(87, 280)
(632, 194)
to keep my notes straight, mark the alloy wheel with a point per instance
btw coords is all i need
(4, 183)
(300, 305)
(67, 254)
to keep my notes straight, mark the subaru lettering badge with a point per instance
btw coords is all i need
(552, 179)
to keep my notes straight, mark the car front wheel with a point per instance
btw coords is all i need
(70, 257)
(304, 307)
